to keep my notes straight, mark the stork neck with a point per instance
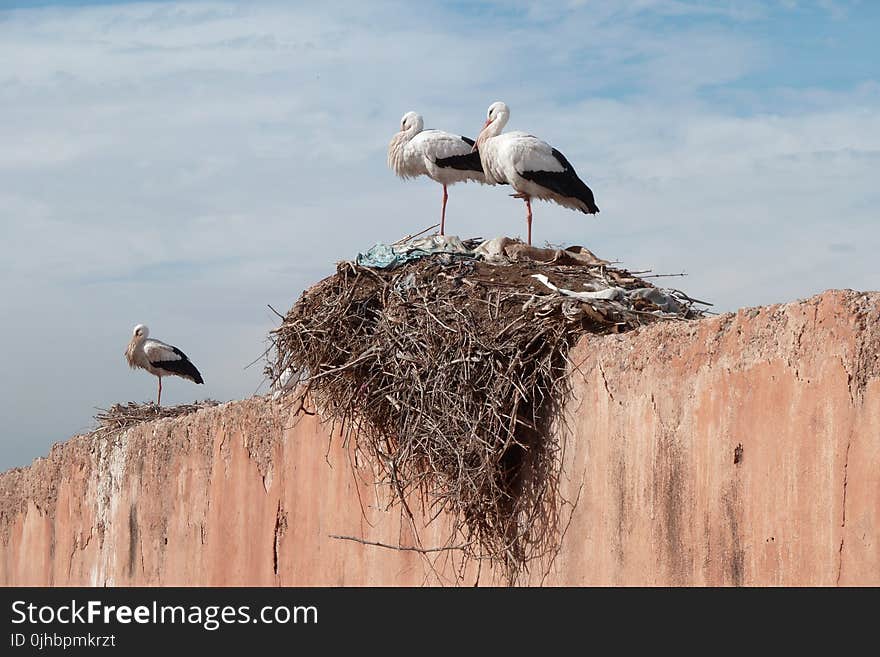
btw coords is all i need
(494, 129)
(417, 126)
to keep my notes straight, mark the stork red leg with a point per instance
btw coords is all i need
(443, 213)
(529, 217)
(159, 398)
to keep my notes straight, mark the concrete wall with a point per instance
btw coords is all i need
(743, 449)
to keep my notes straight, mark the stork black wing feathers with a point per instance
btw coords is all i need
(564, 183)
(466, 162)
(182, 367)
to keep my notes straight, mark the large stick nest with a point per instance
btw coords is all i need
(450, 374)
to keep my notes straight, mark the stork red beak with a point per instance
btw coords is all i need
(477, 141)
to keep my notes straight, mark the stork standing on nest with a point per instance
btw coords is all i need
(442, 156)
(532, 167)
(159, 359)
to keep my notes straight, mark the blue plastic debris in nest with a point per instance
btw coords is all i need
(390, 256)
(384, 256)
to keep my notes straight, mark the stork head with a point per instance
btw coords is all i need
(140, 332)
(496, 111)
(410, 125)
(496, 119)
(411, 122)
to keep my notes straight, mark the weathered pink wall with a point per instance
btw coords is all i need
(743, 449)
(790, 392)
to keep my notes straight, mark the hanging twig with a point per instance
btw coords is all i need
(400, 547)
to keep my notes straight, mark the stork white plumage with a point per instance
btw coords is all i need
(442, 156)
(532, 167)
(158, 358)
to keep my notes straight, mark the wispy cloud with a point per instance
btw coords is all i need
(184, 164)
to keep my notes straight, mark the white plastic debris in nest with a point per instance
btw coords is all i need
(502, 250)
(609, 293)
(437, 244)
(663, 299)
(493, 250)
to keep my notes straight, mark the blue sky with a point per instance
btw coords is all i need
(184, 164)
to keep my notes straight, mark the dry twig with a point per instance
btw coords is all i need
(397, 547)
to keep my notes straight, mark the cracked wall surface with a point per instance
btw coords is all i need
(737, 450)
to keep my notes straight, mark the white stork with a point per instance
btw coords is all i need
(442, 156)
(531, 166)
(158, 358)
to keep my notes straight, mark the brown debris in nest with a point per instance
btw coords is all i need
(450, 375)
(120, 417)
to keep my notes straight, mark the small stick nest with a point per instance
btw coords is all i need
(450, 374)
(120, 417)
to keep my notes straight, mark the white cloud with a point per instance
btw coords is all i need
(185, 164)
